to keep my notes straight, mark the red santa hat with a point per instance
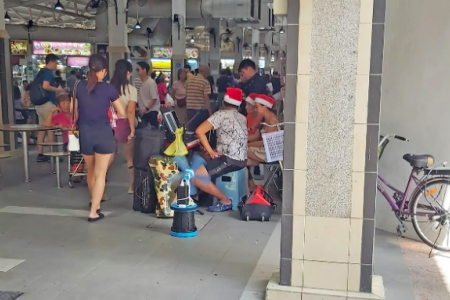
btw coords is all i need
(251, 99)
(265, 100)
(233, 96)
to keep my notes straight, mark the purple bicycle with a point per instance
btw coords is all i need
(426, 199)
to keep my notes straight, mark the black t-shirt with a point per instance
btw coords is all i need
(255, 85)
(276, 84)
(222, 84)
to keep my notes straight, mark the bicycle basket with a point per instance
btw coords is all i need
(382, 146)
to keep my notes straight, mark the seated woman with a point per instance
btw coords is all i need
(231, 155)
(256, 151)
(61, 117)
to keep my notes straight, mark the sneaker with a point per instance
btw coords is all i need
(42, 158)
(220, 207)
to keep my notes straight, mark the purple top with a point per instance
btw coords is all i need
(93, 107)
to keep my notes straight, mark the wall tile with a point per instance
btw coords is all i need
(325, 275)
(371, 164)
(376, 60)
(354, 277)
(322, 297)
(293, 46)
(370, 194)
(285, 271)
(364, 44)
(361, 98)
(299, 192)
(302, 103)
(301, 131)
(374, 99)
(357, 195)
(366, 12)
(320, 245)
(293, 7)
(289, 154)
(355, 240)
(359, 147)
(379, 11)
(306, 12)
(298, 237)
(286, 236)
(288, 192)
(307, 292)
(368, 236)
(366, 278)
(304, 49)
(290, 101)
(297, 273)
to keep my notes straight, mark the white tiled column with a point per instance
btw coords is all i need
(334, 60)
(117, 35)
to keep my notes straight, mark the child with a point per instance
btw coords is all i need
(61, 117)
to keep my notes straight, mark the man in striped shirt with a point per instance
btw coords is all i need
(197, 98)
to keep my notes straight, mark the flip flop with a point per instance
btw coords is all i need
(100, 216)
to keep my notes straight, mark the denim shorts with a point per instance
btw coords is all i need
(97, 138)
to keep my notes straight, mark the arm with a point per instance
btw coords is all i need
(118, 106)
(46, 86)
(48, 119)
(254, 137)
(256, 144)
(201, 134)
(131, 112)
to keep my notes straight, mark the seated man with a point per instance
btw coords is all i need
(231, 155)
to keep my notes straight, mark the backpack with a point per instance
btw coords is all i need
(38, 95)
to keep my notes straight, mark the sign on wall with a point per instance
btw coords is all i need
(19, 47)
(61, 48)
(166, 52)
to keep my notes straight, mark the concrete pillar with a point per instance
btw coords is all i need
(268, 42)
(6, 89)
(332, 107)
(178, 37)
(117, 34)
(214, 50)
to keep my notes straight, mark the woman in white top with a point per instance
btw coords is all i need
(124, 131)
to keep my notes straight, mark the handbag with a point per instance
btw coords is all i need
(181, 102)
(74, 135)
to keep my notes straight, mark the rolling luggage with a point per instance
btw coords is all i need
(148, 142)
(163, 169)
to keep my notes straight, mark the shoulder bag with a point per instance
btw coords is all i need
(74, 139)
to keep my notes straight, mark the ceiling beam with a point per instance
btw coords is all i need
(16, 3)
(62, 12)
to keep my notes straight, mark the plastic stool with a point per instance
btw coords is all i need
(233, 185)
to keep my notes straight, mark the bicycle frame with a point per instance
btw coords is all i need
(383, 186)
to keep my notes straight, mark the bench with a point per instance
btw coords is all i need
(52, 146)
(57, 155)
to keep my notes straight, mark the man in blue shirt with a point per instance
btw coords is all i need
(42, 111)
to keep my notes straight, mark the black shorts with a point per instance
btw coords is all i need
(97, 138)
(220, 166)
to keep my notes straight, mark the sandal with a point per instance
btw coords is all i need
(100, 216)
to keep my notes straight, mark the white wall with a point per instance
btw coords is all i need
(415, 91)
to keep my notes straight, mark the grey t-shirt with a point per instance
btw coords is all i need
(148, 92)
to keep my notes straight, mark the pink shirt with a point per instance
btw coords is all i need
(180, 90)
(61, 119)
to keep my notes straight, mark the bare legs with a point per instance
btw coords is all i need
(210, 187)
(128, 150)
(252, 161)
(41, 138)
(97, 167)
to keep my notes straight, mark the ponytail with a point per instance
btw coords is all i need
(91, 80)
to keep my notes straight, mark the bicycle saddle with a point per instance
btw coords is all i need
(419, 161)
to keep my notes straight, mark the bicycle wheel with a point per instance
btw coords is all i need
(430, 213)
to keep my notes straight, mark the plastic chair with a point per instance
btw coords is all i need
(234, 185)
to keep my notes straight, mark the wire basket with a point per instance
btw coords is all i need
(273, 145)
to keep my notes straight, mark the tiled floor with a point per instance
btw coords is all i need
(128, 255)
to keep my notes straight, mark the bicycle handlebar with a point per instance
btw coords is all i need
(398, 137)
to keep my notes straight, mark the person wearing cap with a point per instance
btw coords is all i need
(231, 152)
(256, 151)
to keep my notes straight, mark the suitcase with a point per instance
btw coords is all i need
(163, 169)
(144, 198)
(149, 142)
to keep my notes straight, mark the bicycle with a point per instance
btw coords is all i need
(428, 216)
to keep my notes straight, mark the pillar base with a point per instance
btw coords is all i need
(275, 291)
